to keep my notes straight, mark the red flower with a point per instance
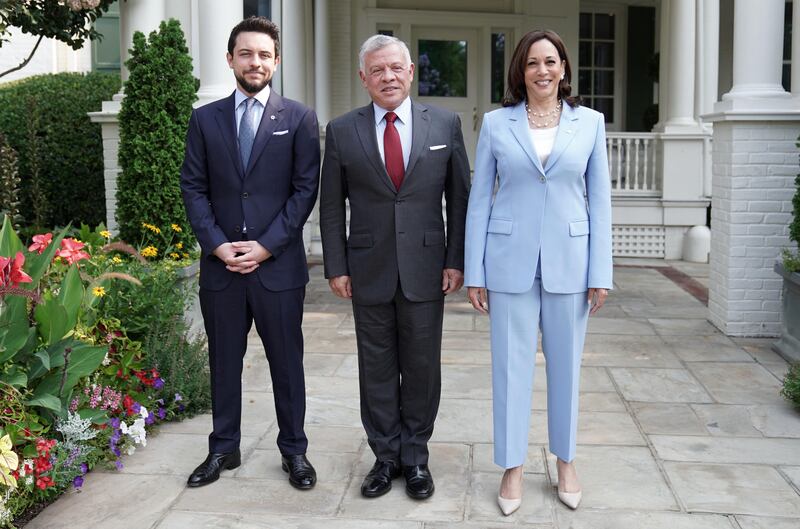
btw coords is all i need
(43, 446)
(44, 482)
(71, 251)
(11, 273)
(42, 464)
(40, 242)
(128, 403)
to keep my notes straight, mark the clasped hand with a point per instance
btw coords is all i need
(596, 297)
(242, 256)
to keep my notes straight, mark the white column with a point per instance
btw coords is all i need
(796, 48)
(137, 15)
(216, 19)
(757, 49)
(707, 64)
(663, 64)
(681, 77)
(293, 50)
(322, 61)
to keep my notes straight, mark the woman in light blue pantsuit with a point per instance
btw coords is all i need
(541, 247)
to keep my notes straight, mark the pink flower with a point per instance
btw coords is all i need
(40, 242)
(11, 273)
(71, 251)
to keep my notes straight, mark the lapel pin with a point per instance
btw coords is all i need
(272, 116)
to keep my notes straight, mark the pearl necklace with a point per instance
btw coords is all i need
(550, 117)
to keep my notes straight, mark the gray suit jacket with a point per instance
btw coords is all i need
(394, 235)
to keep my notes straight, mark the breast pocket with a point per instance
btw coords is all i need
(578, 228)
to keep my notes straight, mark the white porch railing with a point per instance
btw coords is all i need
(632, 163)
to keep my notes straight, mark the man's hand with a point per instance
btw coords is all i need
(597, 298)
(341, 286)
(242, 256)
(477, 296)
(452, 280)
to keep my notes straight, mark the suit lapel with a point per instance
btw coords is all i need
(226, 120)
(567, 128)
(420, 127)
(519, 127)
(270, 120)
(365, 128)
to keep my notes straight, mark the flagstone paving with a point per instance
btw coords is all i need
(681, 427)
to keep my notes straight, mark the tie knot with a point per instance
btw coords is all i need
(249, 102)
(390, 117)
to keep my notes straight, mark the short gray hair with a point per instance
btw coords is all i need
(377, 42)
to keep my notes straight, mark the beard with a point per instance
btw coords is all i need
(252, 88)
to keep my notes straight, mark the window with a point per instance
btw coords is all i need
(257, 8)
(787, 47)
(597, 62)
(498, 66)
(442, 68)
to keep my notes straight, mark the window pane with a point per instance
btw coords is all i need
(387, 32)
(442, 66)
(787, 32)
(586, 26)
(606, 106)
(584, 82)
(498, 66)
(603, 26)
(786, 79)
(587, 102)
(253, 8)
(603, 83)
(585, 53)
(604, 54)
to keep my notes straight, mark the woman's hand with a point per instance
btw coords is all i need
(597, 298)
(479, 299)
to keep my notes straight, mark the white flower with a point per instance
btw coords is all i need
(106, 360)
(26, 463)
(143, 412)
(28, 480)
(135, 431)
(75, 429)
(130, 450)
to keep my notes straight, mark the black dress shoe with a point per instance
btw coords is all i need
(379, 480)
(301, 474)
(208, 471)
(419, 482)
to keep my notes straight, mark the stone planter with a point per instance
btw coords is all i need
(188, 277)
(789, 344)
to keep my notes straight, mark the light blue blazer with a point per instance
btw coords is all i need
(561, 212)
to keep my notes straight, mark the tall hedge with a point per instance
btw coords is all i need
(794, 227)
(67, 148)
(153, 121)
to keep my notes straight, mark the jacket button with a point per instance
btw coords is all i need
(542, 178)
(237, 229)
(245, 194)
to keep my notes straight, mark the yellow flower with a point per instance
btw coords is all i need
(99, 292)
(176, 228)
(150, 251)
(106, 234)
(151, 227)
(179, 246)
(9, 461)
(117, 259)
(185, 255)
(175, 255)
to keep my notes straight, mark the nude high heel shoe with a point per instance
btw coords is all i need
(570, 499)
(509, 505)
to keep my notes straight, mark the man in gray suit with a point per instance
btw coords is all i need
(393, 160)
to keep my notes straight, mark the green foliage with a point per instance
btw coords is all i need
(70, 22)
(153, 122)
(44, 119)
(9, 182)
(791, 385)
(794, 227)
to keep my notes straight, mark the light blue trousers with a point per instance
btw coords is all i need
(514, 322)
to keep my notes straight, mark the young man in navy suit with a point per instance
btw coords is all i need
(249, 181)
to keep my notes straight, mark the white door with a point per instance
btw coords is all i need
(447, 75)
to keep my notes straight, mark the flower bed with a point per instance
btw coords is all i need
(94, 352)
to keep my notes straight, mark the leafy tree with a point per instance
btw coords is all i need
(69, 21)
(153, 121)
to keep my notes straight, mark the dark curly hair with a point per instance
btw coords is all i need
(258, 25)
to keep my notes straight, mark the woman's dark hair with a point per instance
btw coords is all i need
(258, 25)
(516, 92)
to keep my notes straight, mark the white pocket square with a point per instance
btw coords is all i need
(280, 132)
(436, 147)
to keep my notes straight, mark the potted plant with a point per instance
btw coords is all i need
(789, 268)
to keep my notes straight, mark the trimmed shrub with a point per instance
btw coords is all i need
(791, 385)
(153, 121)
(9, 182)
(60, 150)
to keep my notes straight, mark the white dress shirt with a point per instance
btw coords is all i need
(258, 107)
(402, 124)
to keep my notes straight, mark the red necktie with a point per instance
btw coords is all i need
(393, 151)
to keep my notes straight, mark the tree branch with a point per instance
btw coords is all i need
(26, 61)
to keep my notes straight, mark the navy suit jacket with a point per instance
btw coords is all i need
(273, 195)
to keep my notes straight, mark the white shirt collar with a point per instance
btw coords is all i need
(403, 111)
(261, 97)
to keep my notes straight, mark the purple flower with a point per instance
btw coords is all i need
(84, 468)
(118, 464)
(115, 437)
(136, 407)
(178, 397)
(159, 383)
(77, 482)
(181, 407)
(160, 402)
(162, 413)
(114, 422)
(151, 418)
(115, 451)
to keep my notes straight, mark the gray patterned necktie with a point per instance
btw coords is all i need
(247, 132)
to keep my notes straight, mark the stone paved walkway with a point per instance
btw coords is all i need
(680, 427)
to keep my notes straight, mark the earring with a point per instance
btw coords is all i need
(562, 76)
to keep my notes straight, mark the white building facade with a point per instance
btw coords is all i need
(718, 150)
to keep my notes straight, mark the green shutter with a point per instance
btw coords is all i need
(105, 52)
